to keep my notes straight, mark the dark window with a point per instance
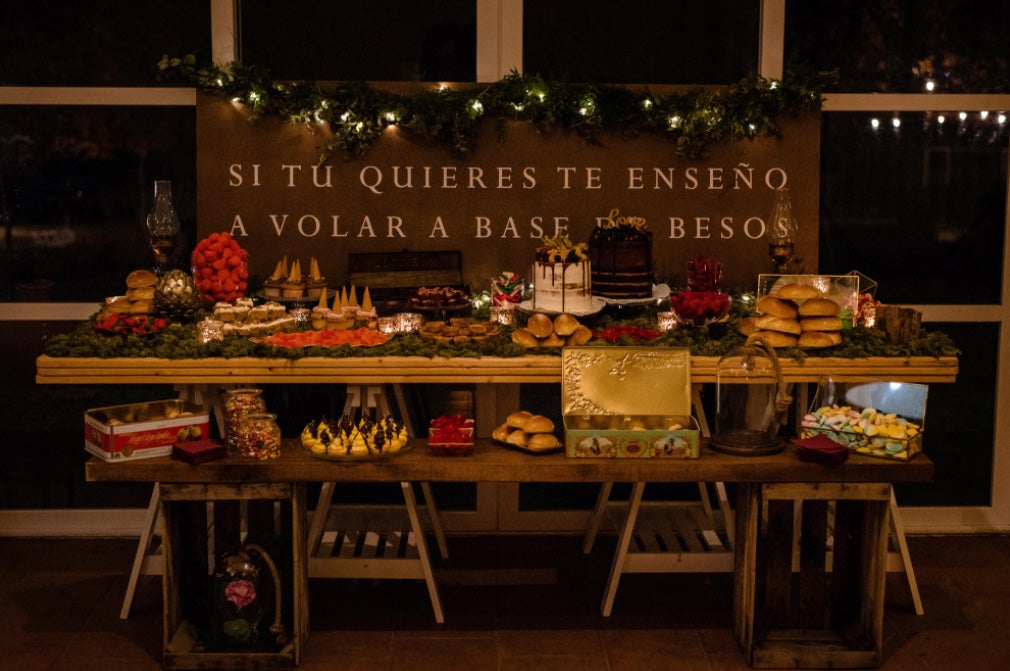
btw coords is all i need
(75, 187)
(97, 42)
(398, 40)
(899, 46)
(641, 42)
(919, 207)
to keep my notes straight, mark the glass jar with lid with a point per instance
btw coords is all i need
(239, 403)
(259, 436)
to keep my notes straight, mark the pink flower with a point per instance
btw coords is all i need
(240, 592)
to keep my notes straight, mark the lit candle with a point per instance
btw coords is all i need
(388, 325)
(408, 322)
(666, 321)
(503, 314)
(210, 329)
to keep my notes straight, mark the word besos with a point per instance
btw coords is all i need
(382, 179)
(481, 227)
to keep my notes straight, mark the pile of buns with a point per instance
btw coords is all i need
(139, 298)
(527, 431)
(542, 331)
(795, 315)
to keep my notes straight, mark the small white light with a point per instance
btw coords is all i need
(774, 85)
(930, 85)
(477, 106)
(962, 116)
(940, 119)
(391, 117)
(983, 115)
(752, 127)
(647, 103)
(358, 126)
(254, 96)
(674, 121)
(583, 111)
(220, 82)
(442, 88)
(236, 100)
(542, 96)
(518, 106)
(345, 116)
(1001, 119)
(896, 122)
(875, 123)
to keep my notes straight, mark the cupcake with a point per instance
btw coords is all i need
(366, 314)
(315, 283)
(294, 285)
(272, 284)
(320, 311)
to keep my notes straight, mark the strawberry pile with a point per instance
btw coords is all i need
(220, 269)
(615, 333)
(129, 324)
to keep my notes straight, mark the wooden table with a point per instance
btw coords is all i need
(768, 485)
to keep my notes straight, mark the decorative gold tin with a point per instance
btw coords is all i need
(628, 402)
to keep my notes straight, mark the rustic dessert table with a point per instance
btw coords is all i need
(775, 601)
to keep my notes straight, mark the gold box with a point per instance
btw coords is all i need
(138, 430)
(628, 402)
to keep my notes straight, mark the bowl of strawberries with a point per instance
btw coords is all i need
(699, 308)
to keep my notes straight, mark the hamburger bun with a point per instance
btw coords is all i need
(140, 307)
(819, 307)
(798, 292)
(518, 419)
(501, 432)
(821, 324)
(769, 323)
(777, 339)
(540, 325)
(525, 338)
(542, 441)
(517, 438)
(565, 324)
(141, 278)
(538, 424)
(776, 307)
(581, 336)
(140, 293)
(119, 305)
(747, 326)
(820, 339)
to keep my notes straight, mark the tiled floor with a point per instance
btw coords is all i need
(60, 600)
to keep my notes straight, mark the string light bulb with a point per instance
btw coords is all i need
(875, 123)
(984, 114)
(1001, 119)
(930, 85)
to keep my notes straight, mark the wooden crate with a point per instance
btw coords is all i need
(202, 521)
(818, 617)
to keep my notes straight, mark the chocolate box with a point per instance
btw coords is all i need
(874, 417)
(628, 402)
(141, 430)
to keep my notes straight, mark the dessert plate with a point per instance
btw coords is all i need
(659, 291)
(596, 304)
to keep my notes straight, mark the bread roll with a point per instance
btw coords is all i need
(553, 340)
(141, 278)
(140, 307)
(140, 293)
(525, 338)
(777, 339)
(501, 432)
(769, 323)
(565, 324)
(538, 424)
(518, 418)
(776, 307)
(582, 335)
(798, 292)
(517, 437)
(540, 325)
(821, 324)
(747, 326)
(820, 338)
(819, 307)
(119, 305)
(542, 441)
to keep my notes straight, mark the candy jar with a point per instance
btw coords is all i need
(259, 436)
(237, 404)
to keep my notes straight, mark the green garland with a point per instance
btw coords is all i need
(357, 113)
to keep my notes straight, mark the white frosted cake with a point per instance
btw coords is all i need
(561, 278)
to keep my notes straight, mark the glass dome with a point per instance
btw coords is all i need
(751, 401)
